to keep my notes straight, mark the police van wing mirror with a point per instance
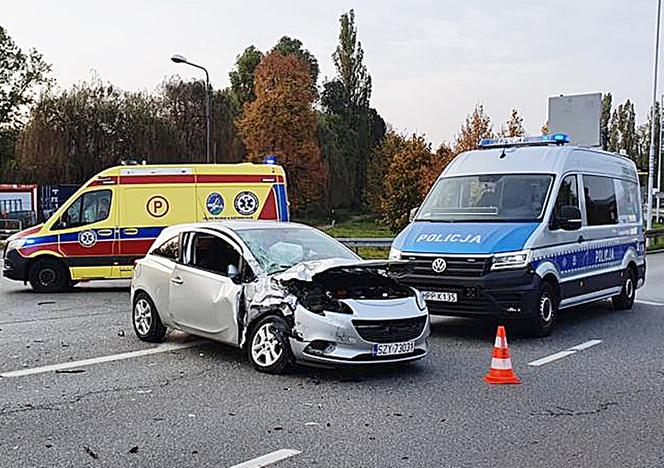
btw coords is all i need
(570, 218)
(412, 214)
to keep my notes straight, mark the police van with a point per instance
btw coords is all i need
(524, 227)
(114, 218)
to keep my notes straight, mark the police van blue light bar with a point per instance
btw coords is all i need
(553, 139)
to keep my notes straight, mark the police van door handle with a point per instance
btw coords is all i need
(177, 280)
(581, 239)
(130, 231)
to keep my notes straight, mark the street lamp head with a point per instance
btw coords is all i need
(177, 58)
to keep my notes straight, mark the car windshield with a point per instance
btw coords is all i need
(279, 249)
(487, 198)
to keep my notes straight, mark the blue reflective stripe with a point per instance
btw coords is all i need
(588, 259)
(282, 202)
(32, 241)
(143, 233)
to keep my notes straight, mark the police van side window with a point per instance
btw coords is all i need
(568, 195)
(91, 207)
(169, 249)
(627, 194)
(600, 196)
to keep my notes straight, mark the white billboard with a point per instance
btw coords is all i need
(578, 116)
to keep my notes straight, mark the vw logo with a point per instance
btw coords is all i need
(439, 265)
(246, 203)
(87, 238)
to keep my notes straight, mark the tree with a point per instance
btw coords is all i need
(514, 126)
(476, 127)
(347, 96)
(403, 188)
(441, 158)
(281, 120)
(291, 46)
(242, 77)
(379, 165)
(22, 74)
(605, 120)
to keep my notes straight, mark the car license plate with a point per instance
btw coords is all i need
(391, 349)
(439, 296)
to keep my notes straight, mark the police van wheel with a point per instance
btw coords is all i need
(625, 300)
(145, 318)
(546, 310)
(48, 275)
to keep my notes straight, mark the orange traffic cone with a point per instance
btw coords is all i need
(501, 365)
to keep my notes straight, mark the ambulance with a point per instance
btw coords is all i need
(112, 220)
(524, 227)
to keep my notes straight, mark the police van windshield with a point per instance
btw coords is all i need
(487, 198)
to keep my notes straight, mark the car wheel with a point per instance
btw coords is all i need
(146, 320)
(48, 275)
(546, 310)
(625, 300)
(268, 348)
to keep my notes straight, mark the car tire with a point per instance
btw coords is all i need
(545, 313)
(49, 275)
(268, 348)
(146, 320)
(625, 300)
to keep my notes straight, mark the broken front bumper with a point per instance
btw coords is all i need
(347, 339)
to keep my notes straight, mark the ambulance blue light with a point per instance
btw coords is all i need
(270, 159)
(555, 138)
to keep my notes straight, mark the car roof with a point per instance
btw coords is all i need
(238, 225)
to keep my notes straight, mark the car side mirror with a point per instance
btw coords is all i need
(232, 272)
(570, 218)
(412, 214)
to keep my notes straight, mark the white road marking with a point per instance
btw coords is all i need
(268, 459)
(649, 303)
(562, 354)
(586, 345)
(162, 348)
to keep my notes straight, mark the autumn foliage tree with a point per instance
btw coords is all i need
(477, 126)
(281, 120)
(514, 126)
(402, 187)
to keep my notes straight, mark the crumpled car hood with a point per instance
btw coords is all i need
(306, 271)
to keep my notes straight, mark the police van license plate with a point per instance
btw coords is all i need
(439, 296)
(393, 348)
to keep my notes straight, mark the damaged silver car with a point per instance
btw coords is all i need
(283, 292)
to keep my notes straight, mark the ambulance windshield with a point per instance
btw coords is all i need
(487, 198)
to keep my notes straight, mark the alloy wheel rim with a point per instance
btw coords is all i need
(142, 316)
(265, 347)
(546, 309)
(629, 287)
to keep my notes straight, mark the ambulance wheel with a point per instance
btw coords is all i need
(48, 275)
(546, 310)
(625, 300)
(146, 320)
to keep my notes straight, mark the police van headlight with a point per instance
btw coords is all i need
(519, 259)
(395, 254)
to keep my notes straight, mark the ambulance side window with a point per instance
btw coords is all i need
(169, 249)
(90, 207)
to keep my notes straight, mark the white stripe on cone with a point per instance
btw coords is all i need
(501, 342)
(497, 363)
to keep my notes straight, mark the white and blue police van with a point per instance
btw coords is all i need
(524, 227)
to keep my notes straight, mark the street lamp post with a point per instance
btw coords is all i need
(180, 59)
(651, 156)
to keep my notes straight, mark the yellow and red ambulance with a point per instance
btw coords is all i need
(113, 219)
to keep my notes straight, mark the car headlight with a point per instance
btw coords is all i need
(15, 244)
(519, 259)
(419, 298)
(395, 254)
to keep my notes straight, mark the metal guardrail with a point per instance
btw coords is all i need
(386, 242)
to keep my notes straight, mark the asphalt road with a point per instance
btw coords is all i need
(204, 404)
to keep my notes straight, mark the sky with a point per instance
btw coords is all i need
(431, 61)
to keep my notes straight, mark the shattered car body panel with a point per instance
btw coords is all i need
(337, 308)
